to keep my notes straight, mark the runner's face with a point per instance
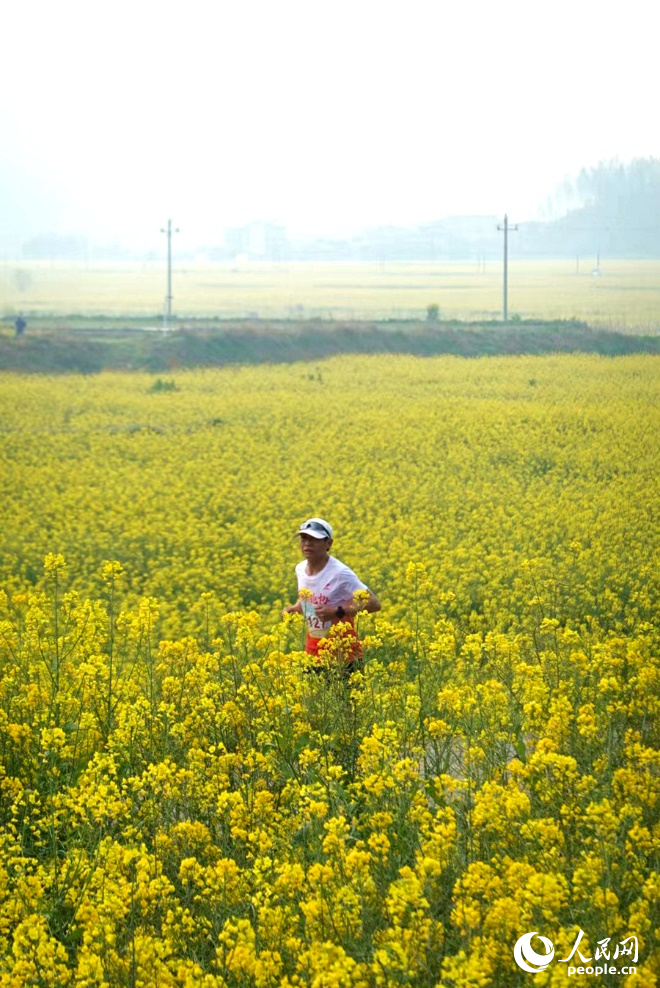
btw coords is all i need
(314, 549)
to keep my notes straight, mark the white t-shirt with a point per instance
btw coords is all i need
(334, 585)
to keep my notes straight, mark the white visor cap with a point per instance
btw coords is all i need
(316, 527)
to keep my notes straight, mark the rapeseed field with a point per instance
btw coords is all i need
(182, 804)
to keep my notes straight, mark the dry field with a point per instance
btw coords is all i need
(626, 295)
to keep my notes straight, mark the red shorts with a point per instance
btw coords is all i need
(346, 646)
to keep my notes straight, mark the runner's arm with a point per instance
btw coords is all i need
(351, 608)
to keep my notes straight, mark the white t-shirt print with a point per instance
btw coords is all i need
(334, 585)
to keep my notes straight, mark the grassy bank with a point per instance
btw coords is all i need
(92, 346)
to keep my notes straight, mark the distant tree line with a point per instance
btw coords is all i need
(617, 214)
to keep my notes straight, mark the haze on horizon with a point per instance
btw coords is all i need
(324, 118)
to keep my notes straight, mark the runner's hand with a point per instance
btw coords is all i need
(325, 613)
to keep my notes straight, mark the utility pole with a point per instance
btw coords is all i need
(167, 314)
(506, 228)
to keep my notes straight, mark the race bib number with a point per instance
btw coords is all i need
(315, 626)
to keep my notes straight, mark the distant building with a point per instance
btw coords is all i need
(257, 242)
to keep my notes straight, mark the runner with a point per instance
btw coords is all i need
(325, 593)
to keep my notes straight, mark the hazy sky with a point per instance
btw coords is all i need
(325, 117)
